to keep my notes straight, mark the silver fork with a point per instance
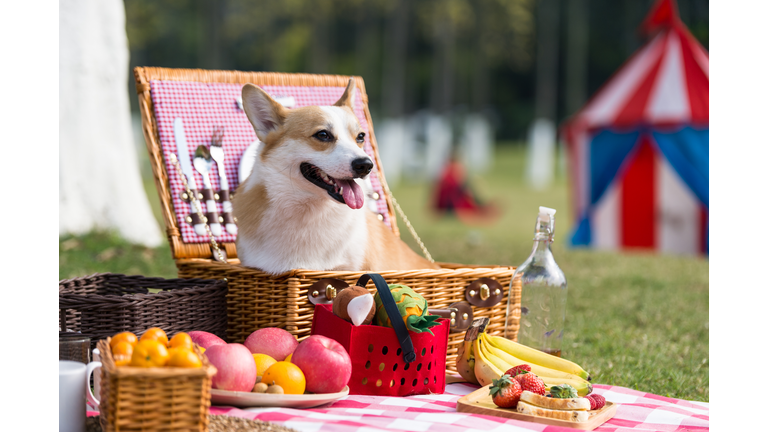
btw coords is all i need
(217, 153)
(203, 165)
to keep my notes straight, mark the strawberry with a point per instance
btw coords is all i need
(531, 382)
(592, 402)
(513, 372)
(599, 401)
(506, 392)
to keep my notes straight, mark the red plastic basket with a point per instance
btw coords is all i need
(379, 366)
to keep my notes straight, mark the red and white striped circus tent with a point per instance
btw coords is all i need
(639, 149)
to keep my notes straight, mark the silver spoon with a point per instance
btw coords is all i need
(203, 163)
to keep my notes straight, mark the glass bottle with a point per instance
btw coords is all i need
(544, 292)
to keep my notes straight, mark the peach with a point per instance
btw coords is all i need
(205, 339)
(272, 341)
(235, 368)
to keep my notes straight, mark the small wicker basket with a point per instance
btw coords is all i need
(154, 399)
(104, 304)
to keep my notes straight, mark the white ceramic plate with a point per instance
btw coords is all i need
(247, 399)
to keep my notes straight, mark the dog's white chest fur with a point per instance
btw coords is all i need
(317, 236)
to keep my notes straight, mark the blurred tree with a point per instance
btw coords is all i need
(547, 53)
(576, 55)
(395, 59)
(211, 17)
(542, 135)
(320, 43)
(413, 54)
(481, 77)
(99, 183)
(442, 21)
(515, 26)
(633, 13)
(368, 46)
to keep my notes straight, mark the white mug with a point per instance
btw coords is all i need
(96, 356)
(74, 387)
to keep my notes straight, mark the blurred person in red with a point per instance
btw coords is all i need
(453, 195)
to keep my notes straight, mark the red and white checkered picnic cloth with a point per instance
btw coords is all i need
(637, 411)
(202, 106)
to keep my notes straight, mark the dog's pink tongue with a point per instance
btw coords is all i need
(352, 193)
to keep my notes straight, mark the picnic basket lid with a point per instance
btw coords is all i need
(205, 99)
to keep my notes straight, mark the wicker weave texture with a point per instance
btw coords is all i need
(154, 399)
(104, 304)
(257, 300)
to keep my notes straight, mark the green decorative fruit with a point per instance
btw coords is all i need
(563, 391)
(412, 307)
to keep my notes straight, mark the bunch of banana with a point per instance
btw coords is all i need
(488, 357)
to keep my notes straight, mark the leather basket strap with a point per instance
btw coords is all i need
(394, 314)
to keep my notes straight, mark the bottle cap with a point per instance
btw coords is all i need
(546, 213)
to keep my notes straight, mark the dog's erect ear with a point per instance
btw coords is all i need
(346, 98)
(264, 112)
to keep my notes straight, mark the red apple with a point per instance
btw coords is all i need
(272, 341)
(325, 363)
(205, 339)
(235, 368)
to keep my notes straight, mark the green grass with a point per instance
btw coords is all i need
(106, 252)
(637, 320)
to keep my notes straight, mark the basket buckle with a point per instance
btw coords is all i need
(325, 290)
(484, 292)
(460, 314)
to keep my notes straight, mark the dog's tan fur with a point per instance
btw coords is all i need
(301, 221)
(248, 207)
(390, 252)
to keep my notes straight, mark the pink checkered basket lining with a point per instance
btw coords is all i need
(202, 107)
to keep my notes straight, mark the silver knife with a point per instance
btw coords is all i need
(186, 167)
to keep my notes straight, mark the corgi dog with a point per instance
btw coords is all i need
(302, 206)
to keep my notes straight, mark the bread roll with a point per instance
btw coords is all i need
(555, 403)
(567, 415)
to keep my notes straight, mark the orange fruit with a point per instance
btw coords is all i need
(181, 340)
(123, 337)
(286, 375)
(149, 353)
(202, 350)
(288, 359)
(263, 362)
(184, 357)
(155, 333)
(122, 352)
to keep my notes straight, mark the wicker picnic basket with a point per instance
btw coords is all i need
(257, 299)
(154, 399)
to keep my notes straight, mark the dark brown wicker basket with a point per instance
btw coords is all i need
(104, 304)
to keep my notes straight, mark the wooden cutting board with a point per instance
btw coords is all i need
(480, 402)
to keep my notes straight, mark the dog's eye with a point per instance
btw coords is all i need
(361, 137)
(324, 136)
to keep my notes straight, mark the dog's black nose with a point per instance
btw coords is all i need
(362, 166)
